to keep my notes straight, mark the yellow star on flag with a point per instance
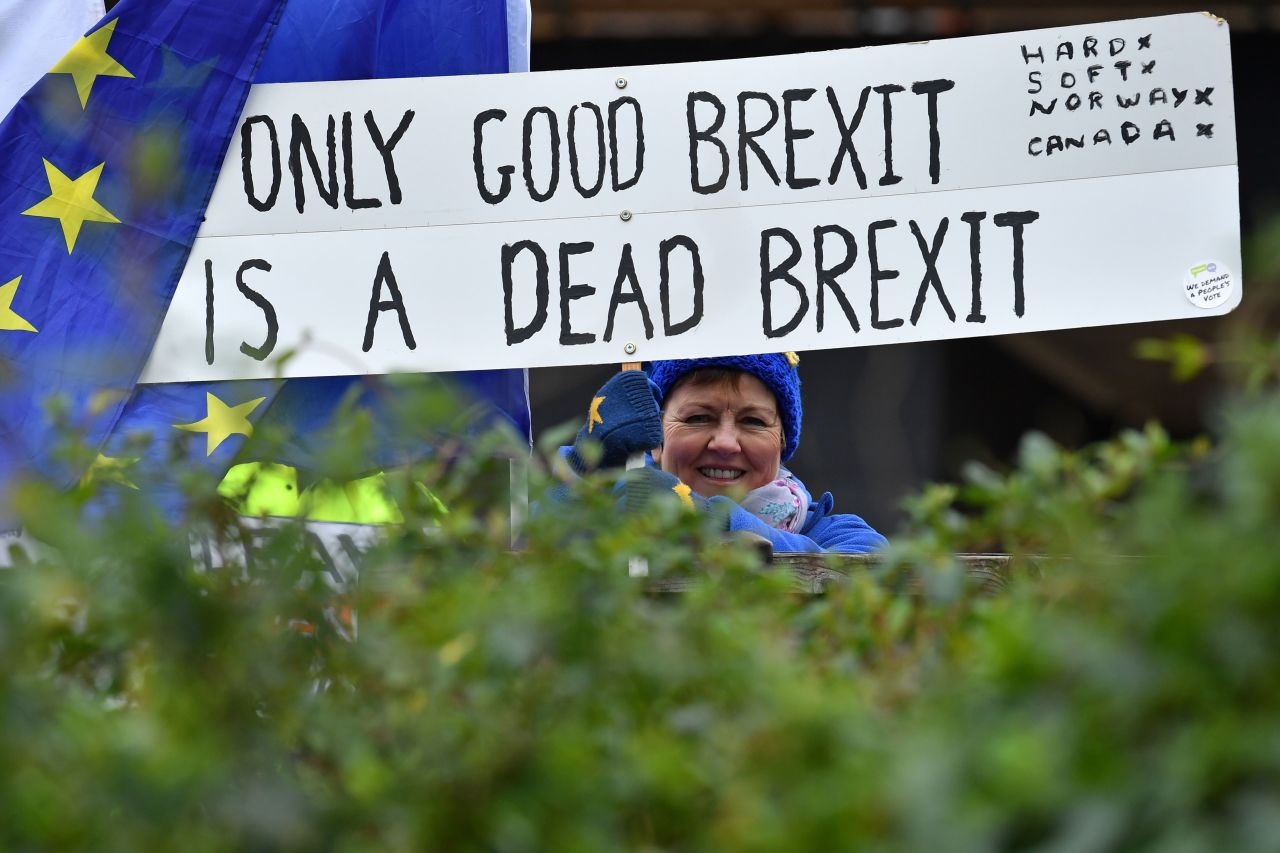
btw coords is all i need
(593, 416)
(685, 493)
(110, 469)
(88, 60)
(9, 319)
(71, 202)
(222, 421)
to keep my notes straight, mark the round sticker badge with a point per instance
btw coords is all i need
(1208, 284)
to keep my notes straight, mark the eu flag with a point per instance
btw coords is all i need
(106, 166)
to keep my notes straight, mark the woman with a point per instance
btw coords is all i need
(718, 431)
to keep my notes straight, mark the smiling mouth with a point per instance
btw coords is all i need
(721, 473)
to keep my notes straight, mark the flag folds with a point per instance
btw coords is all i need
(368, 39)
(106, 165)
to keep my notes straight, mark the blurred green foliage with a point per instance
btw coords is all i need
(1245, 347)
(1122, 694)
(1187, 355)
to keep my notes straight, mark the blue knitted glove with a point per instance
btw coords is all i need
(639, 487)
(623, 419)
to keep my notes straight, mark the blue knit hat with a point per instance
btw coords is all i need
(776, 370)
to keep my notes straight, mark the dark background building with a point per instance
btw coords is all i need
(881, 421)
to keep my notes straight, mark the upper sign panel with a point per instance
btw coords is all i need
(1046, 105)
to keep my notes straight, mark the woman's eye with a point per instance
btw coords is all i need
(754, 422)
(698, 419)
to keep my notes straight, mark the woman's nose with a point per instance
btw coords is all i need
(725, 438)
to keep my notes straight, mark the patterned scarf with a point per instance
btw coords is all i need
(783, 503)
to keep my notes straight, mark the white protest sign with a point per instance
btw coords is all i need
(1051, 179)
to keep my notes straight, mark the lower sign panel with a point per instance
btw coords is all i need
(805, 276)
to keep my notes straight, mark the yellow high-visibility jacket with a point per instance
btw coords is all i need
(264, 488)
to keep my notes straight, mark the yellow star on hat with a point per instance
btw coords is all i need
(71, 202)
(593, 416)
(222, 421)
(88, 60)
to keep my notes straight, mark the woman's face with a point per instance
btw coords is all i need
(720, 439)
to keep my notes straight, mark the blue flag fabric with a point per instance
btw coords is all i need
(301, 412)
(172, 427)
(363, 39)
(106, 166)
(368, 39)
